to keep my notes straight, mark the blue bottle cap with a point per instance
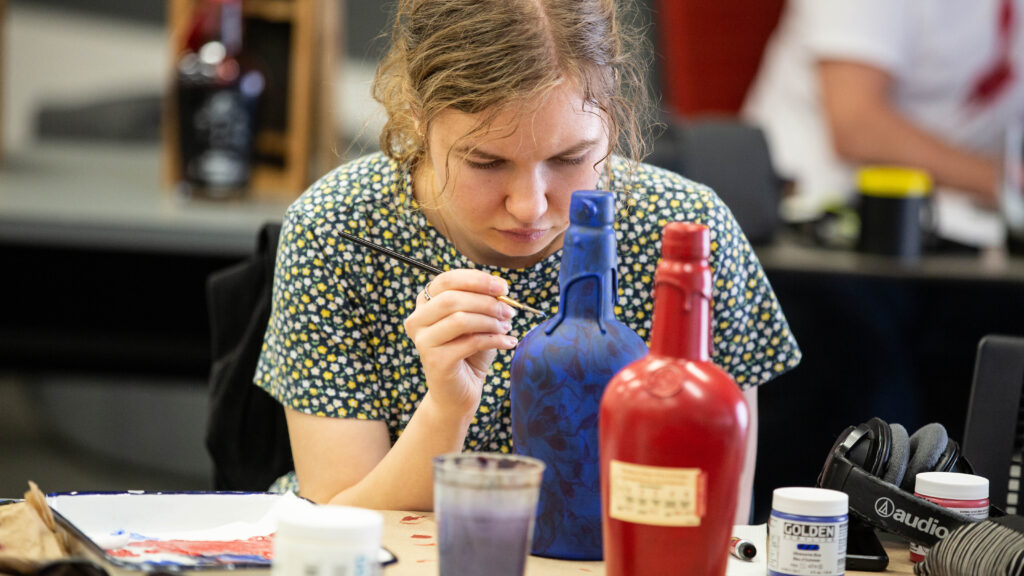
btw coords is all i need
(593, 208)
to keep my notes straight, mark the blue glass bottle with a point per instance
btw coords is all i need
(559, 372)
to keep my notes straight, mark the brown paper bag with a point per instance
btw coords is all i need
(29, 536)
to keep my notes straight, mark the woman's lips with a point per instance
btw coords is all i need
(523, 235)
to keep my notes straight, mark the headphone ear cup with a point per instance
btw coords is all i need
(862, 452)
(926, 446)
(897, 466)
(881, 447)
(838, 451)
(962, 464)
(949, 458)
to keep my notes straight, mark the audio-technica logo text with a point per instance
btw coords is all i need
(885, 508)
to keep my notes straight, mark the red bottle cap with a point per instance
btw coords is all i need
(685, 241)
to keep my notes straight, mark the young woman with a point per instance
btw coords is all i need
(497, 111)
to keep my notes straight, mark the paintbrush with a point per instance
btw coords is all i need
(428, 268)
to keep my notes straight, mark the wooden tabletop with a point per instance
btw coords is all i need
(411, 536)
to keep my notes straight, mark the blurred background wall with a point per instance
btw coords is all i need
(78, 74)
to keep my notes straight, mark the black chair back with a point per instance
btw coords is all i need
(994, 435)
(733, 158)
(246, 432)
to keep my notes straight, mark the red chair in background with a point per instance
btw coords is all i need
(711, 50)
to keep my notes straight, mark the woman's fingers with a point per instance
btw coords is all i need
(459, 324)
(465, 281)
(469, 345)
(452, 302)
(456, 303)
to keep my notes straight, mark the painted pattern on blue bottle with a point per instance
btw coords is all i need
(558, 374)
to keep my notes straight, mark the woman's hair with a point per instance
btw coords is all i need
(481, 56)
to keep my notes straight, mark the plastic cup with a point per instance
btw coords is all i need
(327, 540)
(485, 506)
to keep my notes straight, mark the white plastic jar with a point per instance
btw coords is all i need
(965, 494)
(807, 532)
(327, 541)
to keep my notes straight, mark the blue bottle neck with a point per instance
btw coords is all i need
(587, 279)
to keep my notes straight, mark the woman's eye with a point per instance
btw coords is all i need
(575, 161)
(483, 165)
(491, 164)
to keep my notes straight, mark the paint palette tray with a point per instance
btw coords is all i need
(176, 531)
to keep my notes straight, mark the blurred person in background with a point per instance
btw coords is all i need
(929, 84)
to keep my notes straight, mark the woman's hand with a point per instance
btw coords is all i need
(457, 330)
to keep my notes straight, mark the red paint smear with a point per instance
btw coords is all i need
(585, 570)
(261, 546)
(427, 544)
(422, 536)
(425, 560)
(411, 519)
(122, 553)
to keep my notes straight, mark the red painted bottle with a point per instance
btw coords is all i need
(673, 432)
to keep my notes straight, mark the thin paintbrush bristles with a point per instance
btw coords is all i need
(520, 306)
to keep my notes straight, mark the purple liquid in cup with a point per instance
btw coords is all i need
(484, 544)
(485, 506)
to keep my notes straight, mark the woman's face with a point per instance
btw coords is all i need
(506, 199)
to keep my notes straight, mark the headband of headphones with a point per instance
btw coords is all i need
(882, 504)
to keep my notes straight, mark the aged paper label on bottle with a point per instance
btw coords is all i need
(656, 495)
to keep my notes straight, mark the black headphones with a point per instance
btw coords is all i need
(875, 464)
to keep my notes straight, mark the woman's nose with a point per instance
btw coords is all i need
(527, 200)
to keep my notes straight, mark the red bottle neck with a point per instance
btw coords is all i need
(682, 310)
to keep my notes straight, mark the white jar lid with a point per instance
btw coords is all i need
(810, 501)
(338, 524)
(951, 485)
